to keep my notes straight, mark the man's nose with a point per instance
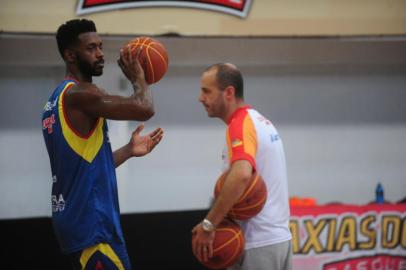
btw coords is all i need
(99, 53)
(201, 98)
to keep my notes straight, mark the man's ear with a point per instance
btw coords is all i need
(69, 56)
(229, 92)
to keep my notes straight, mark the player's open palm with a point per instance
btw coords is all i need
(143, 144)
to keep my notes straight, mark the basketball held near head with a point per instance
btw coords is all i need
(153, 57)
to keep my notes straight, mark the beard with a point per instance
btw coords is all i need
(90, 69)
(217, 110)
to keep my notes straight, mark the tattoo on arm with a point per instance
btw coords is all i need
(142, 94)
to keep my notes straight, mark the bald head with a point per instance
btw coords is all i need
(228, 75)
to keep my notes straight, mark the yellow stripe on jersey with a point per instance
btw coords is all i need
(229, 147)
(88, 147)
(249, 136)
(103, 248)
(241, 137)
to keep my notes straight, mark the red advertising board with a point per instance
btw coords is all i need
(239, 7)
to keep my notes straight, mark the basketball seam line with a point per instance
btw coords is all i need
(229, 241)
(250, 188)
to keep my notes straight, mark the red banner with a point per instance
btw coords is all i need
(234, 7)
(349, 237)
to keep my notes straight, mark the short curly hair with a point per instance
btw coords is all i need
(67, 34)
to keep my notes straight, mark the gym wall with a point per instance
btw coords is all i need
(329, 74)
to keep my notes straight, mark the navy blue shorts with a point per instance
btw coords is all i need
(103, 256)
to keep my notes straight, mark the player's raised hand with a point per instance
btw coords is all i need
(130, 64)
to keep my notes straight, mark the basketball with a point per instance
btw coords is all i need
(251, 201)
(153, 57)
(228, 245)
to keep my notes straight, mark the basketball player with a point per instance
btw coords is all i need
(253, 144)
(85, 209)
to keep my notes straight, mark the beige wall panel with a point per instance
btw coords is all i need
(266, 18)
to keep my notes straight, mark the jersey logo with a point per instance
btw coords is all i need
(48, 122)
(236, 143)
(234, 7)
(99, 266)
(275, 137)
(58, 203)
(50, 105)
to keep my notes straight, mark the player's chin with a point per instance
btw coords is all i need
(98, 72)
(210, 114)
(207, 110)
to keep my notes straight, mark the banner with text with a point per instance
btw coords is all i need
(349, 237)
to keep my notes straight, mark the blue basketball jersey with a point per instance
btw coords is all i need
(85, 209)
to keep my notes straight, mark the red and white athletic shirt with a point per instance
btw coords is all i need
(252, 137)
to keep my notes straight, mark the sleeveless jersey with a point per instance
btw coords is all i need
(252, 137)
(85, 209)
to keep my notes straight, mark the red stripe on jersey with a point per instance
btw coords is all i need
(241, 137)
(69, 123)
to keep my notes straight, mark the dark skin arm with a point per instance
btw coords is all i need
(94, 102)
(234, 186)
(85, 102)
(138, 145)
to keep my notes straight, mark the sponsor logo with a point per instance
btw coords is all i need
(48, 122)
(348, 233)
(50, 105)
(235, 7)
(236, 143)
(58, 203)
(275, 137)
(342, 237)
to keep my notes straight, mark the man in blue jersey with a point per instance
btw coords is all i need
(85, 209)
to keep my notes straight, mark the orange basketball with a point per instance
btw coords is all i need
(153, 57)
(228, 245)
(252, 200)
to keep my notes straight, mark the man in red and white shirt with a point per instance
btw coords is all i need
(252, 145)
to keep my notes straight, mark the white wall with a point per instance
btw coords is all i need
(344, 129)
(343, 133)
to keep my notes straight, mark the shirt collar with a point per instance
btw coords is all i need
(237, 111)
